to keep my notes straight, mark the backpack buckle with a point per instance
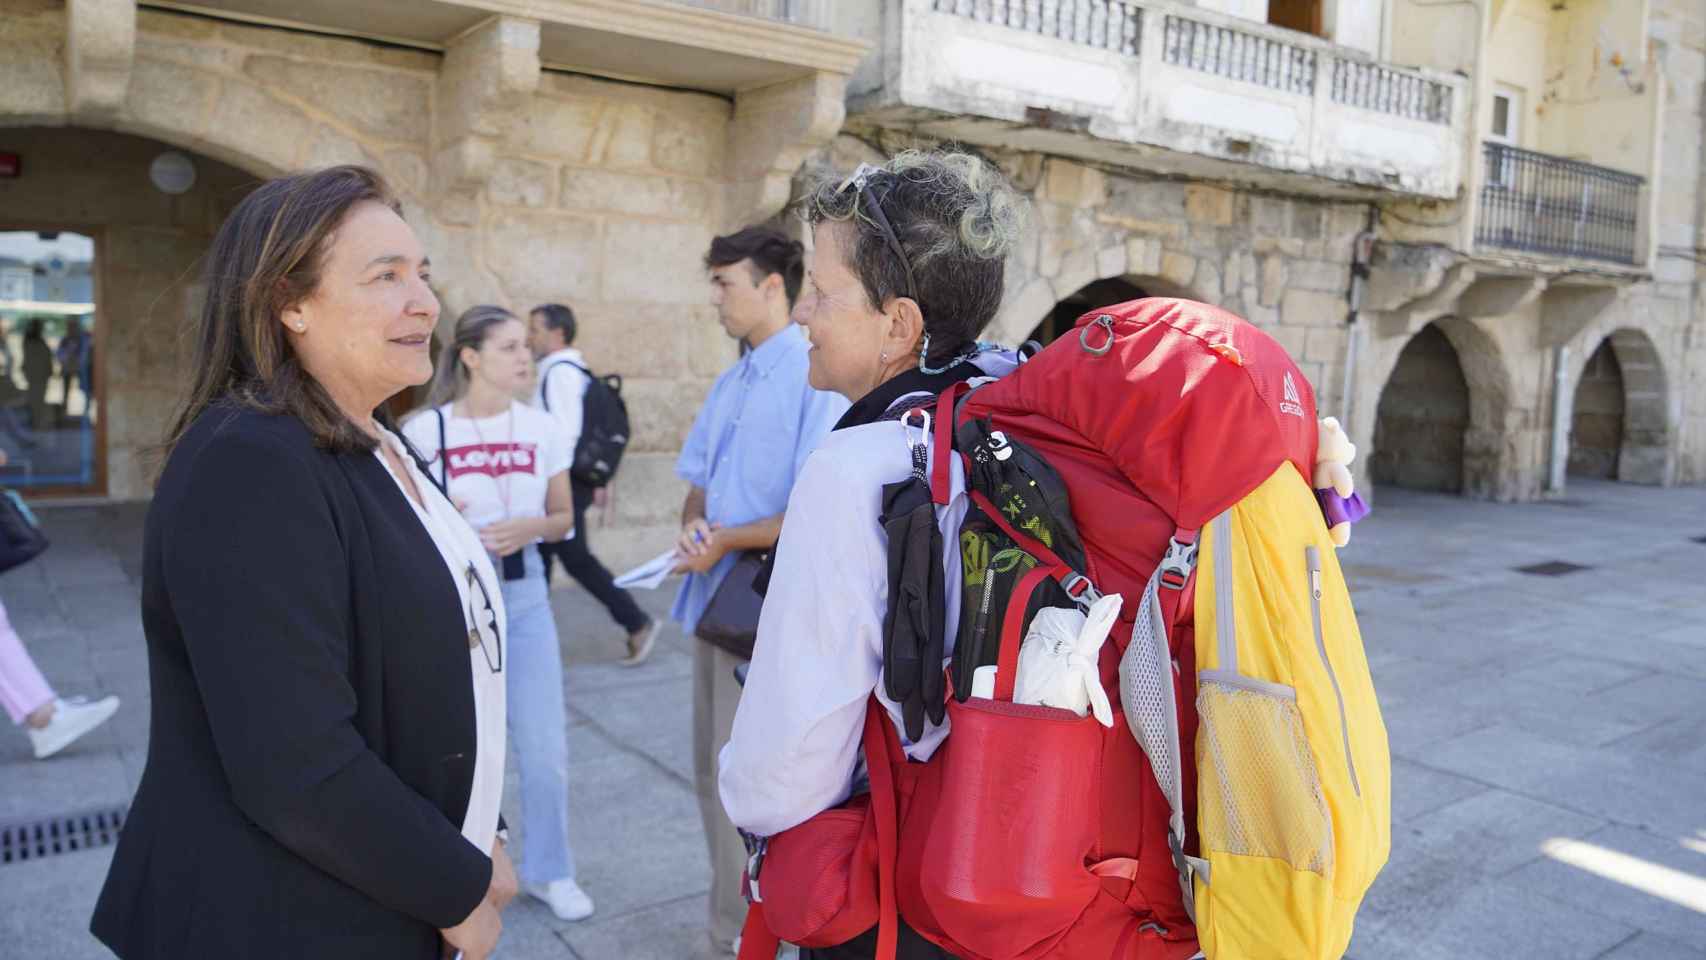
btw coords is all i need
(919, 446)
(1081, 590)
(1176, 565)
(755, 849)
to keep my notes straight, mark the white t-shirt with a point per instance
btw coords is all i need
(460, 547)
(499, 467)
(562, 389)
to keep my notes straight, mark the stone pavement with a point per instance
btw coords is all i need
(1548, 733)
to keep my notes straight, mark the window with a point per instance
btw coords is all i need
(1507, 115)
(1506, 129)
(49, 408)
(1304, 16)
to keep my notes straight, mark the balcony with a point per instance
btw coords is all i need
(814, 14)
(1536, 203)
(1169, 89)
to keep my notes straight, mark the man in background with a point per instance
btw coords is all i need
(563, 379)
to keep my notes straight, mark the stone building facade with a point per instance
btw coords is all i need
(1445, 212)
(528, 180)
(1342, 190)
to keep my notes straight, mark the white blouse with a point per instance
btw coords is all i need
(461, 548)
(794, 749)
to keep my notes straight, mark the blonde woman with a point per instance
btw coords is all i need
(505, 465)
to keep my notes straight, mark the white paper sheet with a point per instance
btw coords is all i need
(651, 574)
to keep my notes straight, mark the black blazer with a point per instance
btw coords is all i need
(312, 748)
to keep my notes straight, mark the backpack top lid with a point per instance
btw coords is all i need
(1194, 406)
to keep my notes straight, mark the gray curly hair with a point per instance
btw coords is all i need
(956, 219)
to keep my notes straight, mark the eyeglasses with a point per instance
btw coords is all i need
(860, 180)
(477, 636)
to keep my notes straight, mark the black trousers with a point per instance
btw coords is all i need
(576, 557)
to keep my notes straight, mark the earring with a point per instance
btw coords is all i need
(301, 327)
(884, 357)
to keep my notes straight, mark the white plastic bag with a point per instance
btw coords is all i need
(1057, 661)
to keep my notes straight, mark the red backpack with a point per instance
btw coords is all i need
(1032, 833)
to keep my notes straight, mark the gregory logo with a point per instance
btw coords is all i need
(1292, 404)
(492, 459)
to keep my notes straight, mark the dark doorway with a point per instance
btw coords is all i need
(1305, 16)
(1101, 293)
(1422, 418)
(1596, 424)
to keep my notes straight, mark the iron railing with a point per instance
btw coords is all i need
(1106, 24)
(1238, 55)
(1539, 203)
(1372, 86)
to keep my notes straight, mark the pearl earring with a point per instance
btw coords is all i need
(301, 327)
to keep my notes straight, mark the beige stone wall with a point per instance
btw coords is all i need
(148, 254)
(608, 203)
(603, 195)
(1282, 262)
(530, 187)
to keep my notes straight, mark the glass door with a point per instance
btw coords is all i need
(50, 403)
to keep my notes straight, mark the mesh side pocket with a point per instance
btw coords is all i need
(1146, 694)
(1259, 794)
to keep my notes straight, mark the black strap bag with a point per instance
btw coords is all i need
(21, 539)
(604, 427)
(730, 620)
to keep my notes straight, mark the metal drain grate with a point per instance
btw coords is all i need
(67, 833)
(1552, 568)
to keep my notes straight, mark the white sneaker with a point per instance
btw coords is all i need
(71, 719)
(640, 644)
(565, 898)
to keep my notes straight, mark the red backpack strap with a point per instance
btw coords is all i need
(943, 446)
(756, 940)
(882, 750)
(1007, 660)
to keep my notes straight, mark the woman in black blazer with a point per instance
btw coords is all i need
(319, 775)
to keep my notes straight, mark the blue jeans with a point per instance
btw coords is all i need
(538, 727)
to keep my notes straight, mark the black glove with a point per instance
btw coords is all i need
(913, 628)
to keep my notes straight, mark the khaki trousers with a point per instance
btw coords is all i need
(715, 695)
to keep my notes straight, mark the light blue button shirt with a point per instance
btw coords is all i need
(747, 445)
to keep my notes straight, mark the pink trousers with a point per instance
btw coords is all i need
(22, 687)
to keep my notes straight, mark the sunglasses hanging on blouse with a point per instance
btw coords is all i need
(477, 636)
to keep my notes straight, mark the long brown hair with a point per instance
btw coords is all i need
(265, 259)
(450, 376)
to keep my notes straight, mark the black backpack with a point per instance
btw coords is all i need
(604, 426)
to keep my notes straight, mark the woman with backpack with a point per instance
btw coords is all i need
(906, 272)
(504, 465)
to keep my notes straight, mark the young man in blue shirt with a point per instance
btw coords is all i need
(747, 444)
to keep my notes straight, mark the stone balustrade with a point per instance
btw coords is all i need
(1215, 95)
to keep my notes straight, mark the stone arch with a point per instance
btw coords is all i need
(223, 115)
(1097, 293)
(148, 253)
(1445, 404)
(1038, 315)
(1422, 417)
(1622, 398)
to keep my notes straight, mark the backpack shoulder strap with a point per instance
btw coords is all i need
(545, 391)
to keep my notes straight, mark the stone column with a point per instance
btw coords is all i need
(773, 130)
(100, 46)
(484, 84)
